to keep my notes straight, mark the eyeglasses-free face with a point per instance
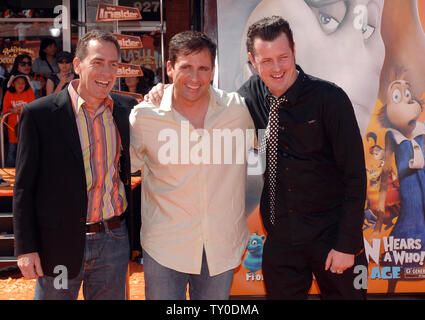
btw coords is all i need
(25, 63)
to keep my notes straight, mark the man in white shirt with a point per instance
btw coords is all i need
(192, 149)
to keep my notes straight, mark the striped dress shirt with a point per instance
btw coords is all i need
(100, 144)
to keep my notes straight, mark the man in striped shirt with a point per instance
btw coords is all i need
(73, 182)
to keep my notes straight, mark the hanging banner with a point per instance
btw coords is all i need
(137, 96)
(149, 8)
(129, 70)
(128, 42)
(146, 57)
(373, 49)
(108, 12)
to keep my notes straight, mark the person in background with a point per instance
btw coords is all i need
(41, 79)
(57, 81)
(140, 85)
(3, 77)
(46, 62)
(3, 74)
(18, 94)
(22, 64)
(148, 77)
(134, 85)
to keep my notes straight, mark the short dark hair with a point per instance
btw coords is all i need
(268, 29)
(64, 56)
(188, 42)
(81, 51)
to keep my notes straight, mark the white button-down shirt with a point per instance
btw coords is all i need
(193, 187)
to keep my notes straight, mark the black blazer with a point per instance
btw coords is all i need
(50, 194)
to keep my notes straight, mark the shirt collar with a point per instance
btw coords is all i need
(167, 99)
(294, 91)
(418, 131)
(78, 101)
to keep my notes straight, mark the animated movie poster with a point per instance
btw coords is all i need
(374, 50)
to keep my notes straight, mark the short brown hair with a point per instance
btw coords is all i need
(188, 42)
(268, 29)
(81, 51)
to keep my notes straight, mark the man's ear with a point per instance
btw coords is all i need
(251, 59)
(76, 62)
(212, 74)
(170, 69)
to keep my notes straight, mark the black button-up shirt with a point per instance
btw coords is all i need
(321, 176)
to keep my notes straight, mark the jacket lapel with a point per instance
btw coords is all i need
(120, 115)
(67, 125)
(68, 128)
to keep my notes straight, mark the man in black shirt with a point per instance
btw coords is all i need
(315, 189)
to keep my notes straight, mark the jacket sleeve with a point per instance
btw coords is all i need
(24, 223)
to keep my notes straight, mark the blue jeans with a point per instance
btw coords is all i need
(11, 155)
(162, 283)
(103, 272)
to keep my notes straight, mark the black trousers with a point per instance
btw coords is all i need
(288, 272)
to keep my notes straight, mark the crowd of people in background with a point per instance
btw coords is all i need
(50, 73)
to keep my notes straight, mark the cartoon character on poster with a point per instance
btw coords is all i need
(254, 256)
(375, 218)
(404, 140)
(398, 124)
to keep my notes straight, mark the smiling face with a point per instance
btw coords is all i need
(97, 71)
(191, 74)
(19, 85)
(339, 41)
(275, 63)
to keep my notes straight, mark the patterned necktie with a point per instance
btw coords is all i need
(270, 140)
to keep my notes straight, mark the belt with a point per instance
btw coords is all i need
(112, 223)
